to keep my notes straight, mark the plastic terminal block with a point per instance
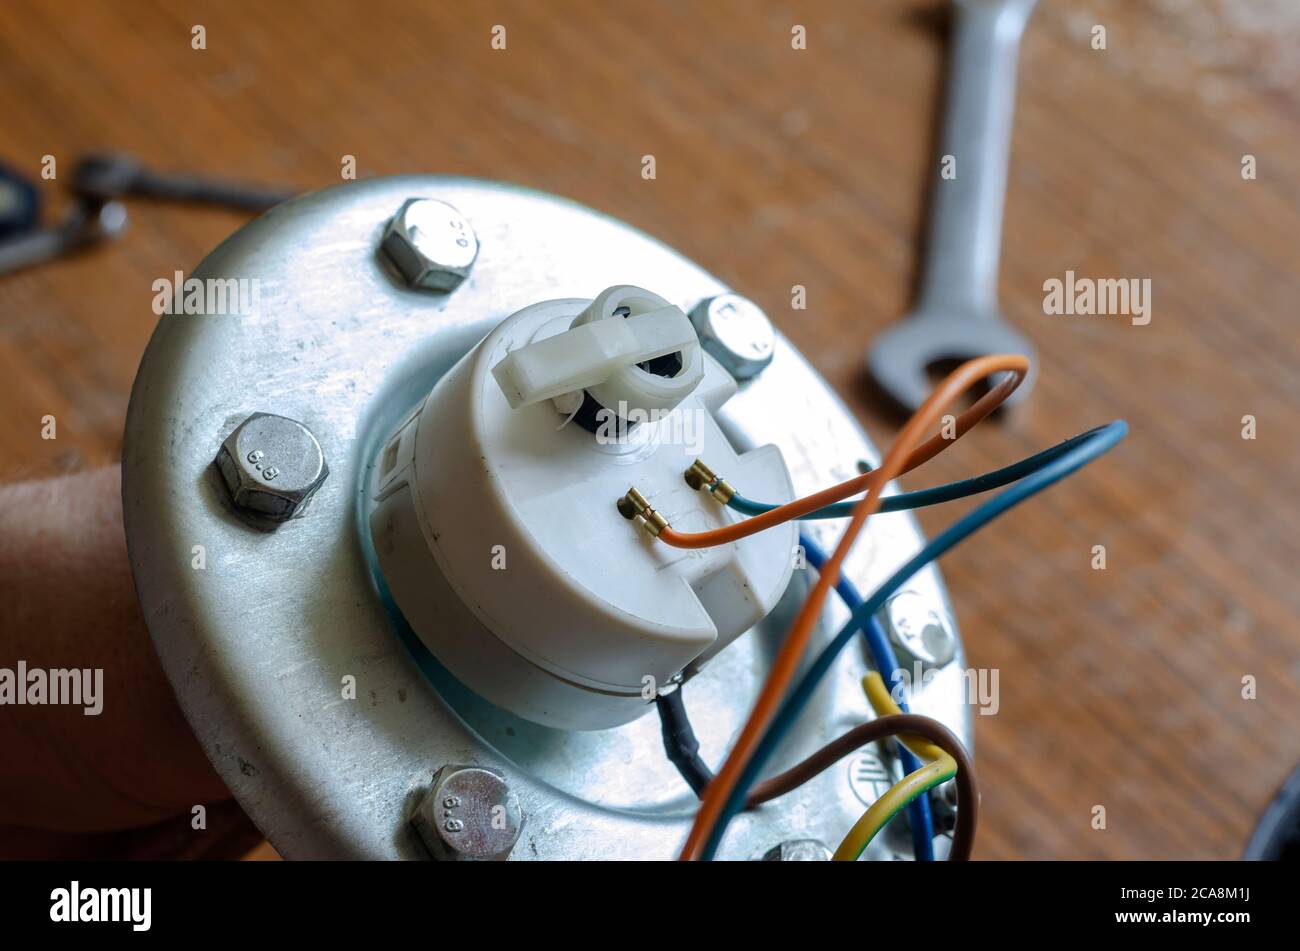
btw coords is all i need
(495, 531)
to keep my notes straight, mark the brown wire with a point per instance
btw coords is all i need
(968, 796)
(785, 664)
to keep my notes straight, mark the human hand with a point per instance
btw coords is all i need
(67, 601)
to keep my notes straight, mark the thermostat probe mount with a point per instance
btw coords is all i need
(354, 336)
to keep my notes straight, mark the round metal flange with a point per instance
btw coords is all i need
(324, 715)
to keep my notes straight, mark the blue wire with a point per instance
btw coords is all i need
(882, 655)
(1097, 443)
(932, 496)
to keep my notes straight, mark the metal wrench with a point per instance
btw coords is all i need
(98, 181)
(85, 224)
(956, 315)
(108, 176)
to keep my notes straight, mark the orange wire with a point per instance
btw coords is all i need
(899, 459)
(811, 503)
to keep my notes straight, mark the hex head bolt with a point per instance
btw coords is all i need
(470, 815)
(919, 631)
(735, 332)
(272, 466)
(432, 244)
(798, 850)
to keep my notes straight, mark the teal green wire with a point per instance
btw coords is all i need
(1098, 442)
(940, 493)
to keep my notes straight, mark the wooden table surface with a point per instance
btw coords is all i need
(1119, 687)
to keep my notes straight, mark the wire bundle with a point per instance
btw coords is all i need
(882, 655)
(777, 706)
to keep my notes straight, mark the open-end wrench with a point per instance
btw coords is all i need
(956, 315)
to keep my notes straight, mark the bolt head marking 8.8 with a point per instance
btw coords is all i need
(470, 814)
(272, 466)
(432, 244)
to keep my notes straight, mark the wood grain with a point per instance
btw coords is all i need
(777, 167)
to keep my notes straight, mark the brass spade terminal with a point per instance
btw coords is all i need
(634, 505)
(700, 476)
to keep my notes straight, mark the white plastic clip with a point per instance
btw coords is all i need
(624, 326)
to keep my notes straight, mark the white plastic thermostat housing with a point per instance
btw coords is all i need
(496, 526)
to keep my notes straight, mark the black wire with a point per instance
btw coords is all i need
(680, 745)
(683, 751)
